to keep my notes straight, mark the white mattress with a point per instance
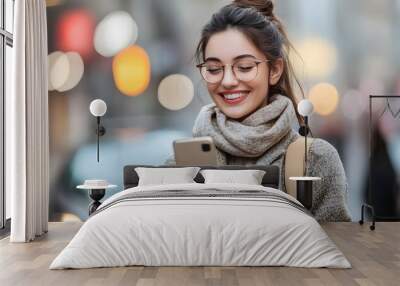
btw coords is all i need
(191, 231)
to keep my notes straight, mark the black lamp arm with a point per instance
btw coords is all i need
(305, 145)
(100, 131)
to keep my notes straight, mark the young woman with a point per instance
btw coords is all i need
(243, 55)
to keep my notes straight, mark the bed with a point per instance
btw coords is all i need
(201, 224)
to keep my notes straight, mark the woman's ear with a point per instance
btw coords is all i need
(276, 70)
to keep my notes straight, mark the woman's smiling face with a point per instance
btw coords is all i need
(236, 98)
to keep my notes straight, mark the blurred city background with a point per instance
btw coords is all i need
(347, 50)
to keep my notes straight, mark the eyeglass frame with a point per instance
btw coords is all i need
(257, 62)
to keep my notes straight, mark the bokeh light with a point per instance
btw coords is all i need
(59, 71)
(324, 97)
(75, 69)
(114, 33)
(175, 92)
(52, 58)
(318, 58)
(65, 70)
(131, 70)
(75, 30)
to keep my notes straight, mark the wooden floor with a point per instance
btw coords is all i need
(374, 255)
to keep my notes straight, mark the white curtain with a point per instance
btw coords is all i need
(27, 138)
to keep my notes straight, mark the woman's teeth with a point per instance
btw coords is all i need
(233, 95)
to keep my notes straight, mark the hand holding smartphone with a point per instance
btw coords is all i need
(198, 151)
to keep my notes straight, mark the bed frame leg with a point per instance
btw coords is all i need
(367, 206)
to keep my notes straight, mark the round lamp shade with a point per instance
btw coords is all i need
(98, 107)
(305, 107)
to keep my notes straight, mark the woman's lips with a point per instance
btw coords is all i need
(234, 98)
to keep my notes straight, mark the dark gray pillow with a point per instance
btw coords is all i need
(270, 179)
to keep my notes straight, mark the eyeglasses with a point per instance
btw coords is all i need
(244, 70)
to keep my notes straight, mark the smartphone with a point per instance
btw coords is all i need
(198, 151)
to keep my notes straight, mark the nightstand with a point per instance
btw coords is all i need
(304, 189)
(97, 190)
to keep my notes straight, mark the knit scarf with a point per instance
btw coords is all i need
(261, 138)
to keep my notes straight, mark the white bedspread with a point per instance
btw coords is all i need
(184, 231)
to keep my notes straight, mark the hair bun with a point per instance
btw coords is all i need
(266, 7)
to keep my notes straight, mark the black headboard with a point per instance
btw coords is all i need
(270, 179)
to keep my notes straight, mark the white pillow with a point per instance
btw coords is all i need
(247, 177)
(163, 176)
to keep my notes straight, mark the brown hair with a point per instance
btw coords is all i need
(255, 18)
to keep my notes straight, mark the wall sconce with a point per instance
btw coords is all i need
(98, 108)
(305, 109)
